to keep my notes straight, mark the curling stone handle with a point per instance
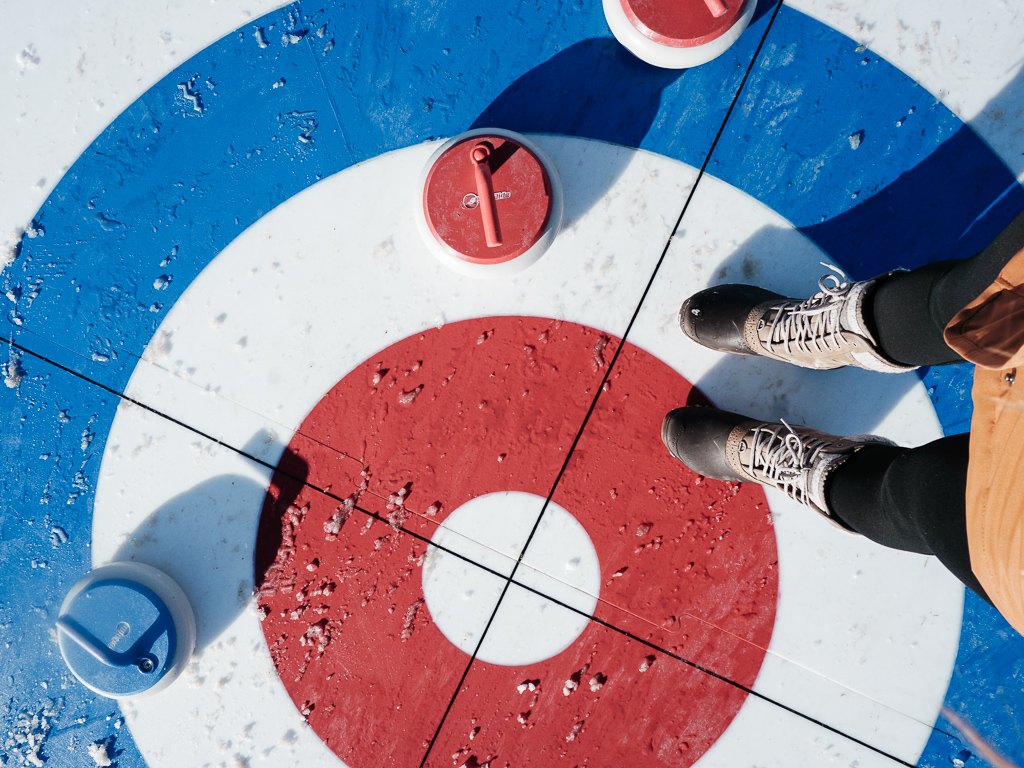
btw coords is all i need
(717, 7)
(100, 652)
(480, 156)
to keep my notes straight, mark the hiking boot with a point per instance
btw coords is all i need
(825, 331)
(795, 460)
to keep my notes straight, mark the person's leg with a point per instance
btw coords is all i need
(909, 310)
(911, 499)
(891, 323)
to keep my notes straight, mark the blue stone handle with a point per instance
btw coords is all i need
(101, 653)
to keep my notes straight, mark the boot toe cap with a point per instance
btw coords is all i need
(697, 436)
(715, 317)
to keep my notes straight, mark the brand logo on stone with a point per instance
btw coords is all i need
(123, 628)
(471, 201)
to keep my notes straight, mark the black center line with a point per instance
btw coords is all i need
(594, 401)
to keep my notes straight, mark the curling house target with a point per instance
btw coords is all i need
(452, 415)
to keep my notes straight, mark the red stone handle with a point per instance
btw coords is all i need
(717, 7)
(485, 193)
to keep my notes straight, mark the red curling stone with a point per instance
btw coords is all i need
(678, 34)
(492, 203)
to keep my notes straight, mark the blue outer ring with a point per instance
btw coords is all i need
(836, 140)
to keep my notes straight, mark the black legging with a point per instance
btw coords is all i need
(914, 499)
(911, 309)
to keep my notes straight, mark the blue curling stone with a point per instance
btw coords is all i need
(118, 636)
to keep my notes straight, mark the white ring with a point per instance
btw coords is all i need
(259, 337)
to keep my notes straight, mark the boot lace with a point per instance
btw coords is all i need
(781, 457)
(812, 326)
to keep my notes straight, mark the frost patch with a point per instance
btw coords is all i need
(58, 536)
(599, 361)
(318, 635)
(98, 753)
(528, 685)
(191, 95)
(7, 256)
(573, 682)
(13, 372)
(27, 736)
(472, 761)
(79, 485)
(108, 224)
(27, 59)
(333, 526)
(410, 619)
(407, 397)
(384, 249)
(159, 347)
(291, 38)
(304, 123)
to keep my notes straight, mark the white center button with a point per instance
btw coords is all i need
(560, 564)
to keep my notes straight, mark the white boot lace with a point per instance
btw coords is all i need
(783, 460)
(812, 326)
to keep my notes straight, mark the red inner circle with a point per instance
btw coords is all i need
(522, 200)
(683, 23)
(486, 405)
